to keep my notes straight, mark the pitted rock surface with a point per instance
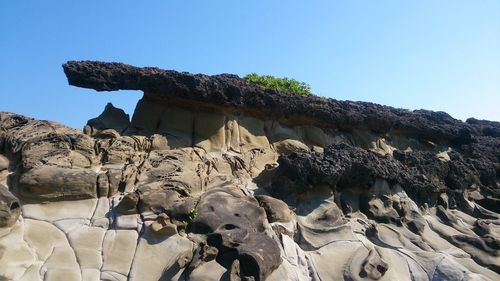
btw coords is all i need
(216, 179)
(232, 91)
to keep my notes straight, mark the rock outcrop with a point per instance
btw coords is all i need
(217, 179)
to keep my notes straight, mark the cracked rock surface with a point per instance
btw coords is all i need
(215, 179)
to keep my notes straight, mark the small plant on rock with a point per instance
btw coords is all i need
(281, 84)
(191, 215)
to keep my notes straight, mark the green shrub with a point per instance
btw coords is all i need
(282, 84)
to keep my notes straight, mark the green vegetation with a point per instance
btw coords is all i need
(191, 215)
(282, 84)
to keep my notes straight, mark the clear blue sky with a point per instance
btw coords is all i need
(439, 55)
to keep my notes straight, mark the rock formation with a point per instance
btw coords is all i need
(217, 179)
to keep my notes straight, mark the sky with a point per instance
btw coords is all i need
(438, 55)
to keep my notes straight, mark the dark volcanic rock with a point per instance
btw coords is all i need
(232, 91)
(342, 166)
(348, 170)
(216, 179)
(484, 154)
(485, 127)
(421, 173)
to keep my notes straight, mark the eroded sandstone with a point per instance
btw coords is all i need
(215, 179)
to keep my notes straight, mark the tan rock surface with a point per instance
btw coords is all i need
(217, 180)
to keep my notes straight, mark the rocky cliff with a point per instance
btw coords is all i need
(216, 179)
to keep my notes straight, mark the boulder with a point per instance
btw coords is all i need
(235, 225)
(54, 183)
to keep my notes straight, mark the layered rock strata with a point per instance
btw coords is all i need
(216, 179)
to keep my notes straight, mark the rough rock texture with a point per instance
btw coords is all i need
(230, 90)
(111, 121)
(215, 179)
(10, 209)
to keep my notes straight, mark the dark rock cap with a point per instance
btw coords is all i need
(228, 90)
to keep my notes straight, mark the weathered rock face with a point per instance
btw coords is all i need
(231, 91)
(112, 121)
(10, 209)
(215, 179)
